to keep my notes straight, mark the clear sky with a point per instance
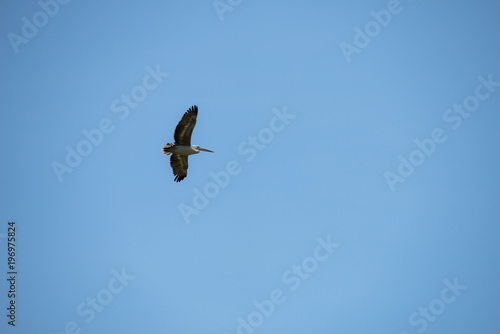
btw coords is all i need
(353, 189)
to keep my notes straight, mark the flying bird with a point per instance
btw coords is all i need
(182, 147)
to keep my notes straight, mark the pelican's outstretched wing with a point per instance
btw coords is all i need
(184, 129)
(180, 166)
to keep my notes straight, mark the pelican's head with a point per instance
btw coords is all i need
(199, 148)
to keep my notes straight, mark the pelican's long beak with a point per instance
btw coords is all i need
(206, 150)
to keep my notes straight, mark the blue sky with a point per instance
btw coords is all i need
(354, 186)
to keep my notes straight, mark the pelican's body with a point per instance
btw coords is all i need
(182, 147)
(184, 150)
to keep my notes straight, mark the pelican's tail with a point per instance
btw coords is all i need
(166, 148)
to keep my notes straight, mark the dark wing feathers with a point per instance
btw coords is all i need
(180, 166)
(184, 129)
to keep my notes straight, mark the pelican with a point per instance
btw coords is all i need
(182, 147)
